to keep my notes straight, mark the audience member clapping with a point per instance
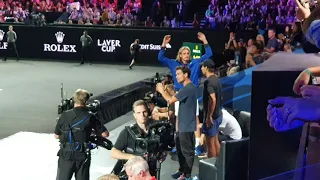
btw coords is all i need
(254, 57)
(250, 15)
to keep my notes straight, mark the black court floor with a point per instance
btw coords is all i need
(30, 90)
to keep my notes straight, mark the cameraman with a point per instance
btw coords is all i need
(73, 129)
(125, 141)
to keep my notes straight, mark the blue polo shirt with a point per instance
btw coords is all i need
(194, 66)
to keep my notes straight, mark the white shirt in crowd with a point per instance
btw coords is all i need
(176, 108)
(230, 126)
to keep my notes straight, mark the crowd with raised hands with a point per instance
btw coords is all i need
(250, 15)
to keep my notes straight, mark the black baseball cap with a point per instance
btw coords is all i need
(208, 63)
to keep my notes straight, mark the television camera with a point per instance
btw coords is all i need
(152, 147)
(153, 94)
(68, 103)
(166, 79)
(93, 108)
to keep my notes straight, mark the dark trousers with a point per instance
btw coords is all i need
(66, 168)
(12, 48)
(85, 56)
(185, 144)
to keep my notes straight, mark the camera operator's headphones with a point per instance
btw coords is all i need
(88, 96)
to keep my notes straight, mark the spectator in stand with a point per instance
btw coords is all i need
(232, 68)
(249, 44)
(210, 15)
(155, 11)
(148, 22)
(2, 4)
(96, 15)
(234, 15)
(242, 14)
(21, 15)
(287, 34)
(231, 46)
(290, 18)
(287, 48)
(165, 22)
(59, 21)
(232, 43)
(296, 35)
(273, 44)
(175, 23)
(74, 15)
(196, 23)
(2, 17)
(136, 21)
(255, 57)
(43, 21)
(137, 6)
(251, 25)
(240, 53)
(261, 39)
(104, 17)
(282, 41)
(88, 22)
(180, 8)
(112, 16)
(262, 25)
(118, 22)
(80, 21)
(59, 8)
(126, 21)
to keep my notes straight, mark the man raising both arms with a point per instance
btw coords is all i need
(183, 59)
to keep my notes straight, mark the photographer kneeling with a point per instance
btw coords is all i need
(74, 128)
